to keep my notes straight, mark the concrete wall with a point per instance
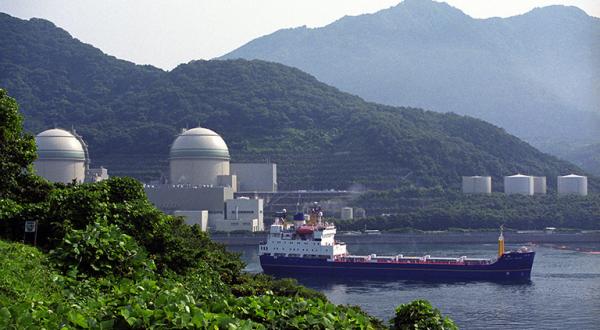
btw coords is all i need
(237, 225)
(61, 170)
(170, 198)
(255, 176)
(227, 181)
(197, 172)
(245, 209)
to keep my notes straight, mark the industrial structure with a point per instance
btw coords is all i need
(539, 185)
(518, 184)
(200, 157)
(477, 184)
(201, 181)
(63, 157)
(347, 213)
(572, 185)
(255, 176)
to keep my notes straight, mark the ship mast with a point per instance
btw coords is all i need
(501, 242)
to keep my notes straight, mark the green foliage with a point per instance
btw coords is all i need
(441, 209)
(420, 315)
(17, 149)
(320, 137)
(260, 284)
(100, 250)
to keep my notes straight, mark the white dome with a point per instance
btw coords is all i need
(58, 144)
(199, 143)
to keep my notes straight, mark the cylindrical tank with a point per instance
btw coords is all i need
(61, 156)
(347, 213)
(197, 157)
(518, 184)
(477, 184)
(539, 185)
(572, 184)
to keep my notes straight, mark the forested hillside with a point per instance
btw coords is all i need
(536, 75)
(320, 137)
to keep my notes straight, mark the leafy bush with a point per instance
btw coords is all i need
(420, 315)
(100, 250)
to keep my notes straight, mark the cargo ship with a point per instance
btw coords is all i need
(307, 246)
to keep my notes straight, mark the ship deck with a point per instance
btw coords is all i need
(400, 259)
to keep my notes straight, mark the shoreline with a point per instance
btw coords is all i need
(431, 238)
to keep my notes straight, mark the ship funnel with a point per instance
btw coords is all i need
(501, 242)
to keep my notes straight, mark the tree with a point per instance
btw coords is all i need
(17, 149)
(420, 315)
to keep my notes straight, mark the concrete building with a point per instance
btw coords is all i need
(62, 156)
(256, 176)
(245, 209)
(477, 184)
(251, 225)
(96, 174)
(539, 185)
(347, 213)
(198, 157)
(199, 218)
(200, 181)
(171, 198)
(572, 185)
(518, 184)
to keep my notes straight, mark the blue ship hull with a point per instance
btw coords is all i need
(511, 266)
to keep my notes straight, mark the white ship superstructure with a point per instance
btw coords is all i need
(315, 239)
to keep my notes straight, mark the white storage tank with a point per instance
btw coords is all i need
(539, 185)
(198, 157)
(61, 156)
(572, 184)
(477, 184)
(347, 213)
(518, 184)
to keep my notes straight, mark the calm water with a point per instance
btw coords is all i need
(564, 292)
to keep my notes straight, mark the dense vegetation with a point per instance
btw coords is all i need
(320, 137)
(109, 259)
(442, 209)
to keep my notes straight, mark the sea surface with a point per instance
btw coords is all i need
(564, 292)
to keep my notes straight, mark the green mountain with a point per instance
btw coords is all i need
(320, 137)
(536, 75)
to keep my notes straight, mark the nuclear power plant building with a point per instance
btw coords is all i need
(255, 176)
(63, 157)
(200, 180)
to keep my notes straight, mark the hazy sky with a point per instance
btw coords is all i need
(166, 33)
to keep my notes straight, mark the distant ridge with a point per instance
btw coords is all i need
(320, 137)
(536, 75)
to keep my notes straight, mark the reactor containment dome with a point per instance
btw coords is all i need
(198, 157)
(61, 156)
